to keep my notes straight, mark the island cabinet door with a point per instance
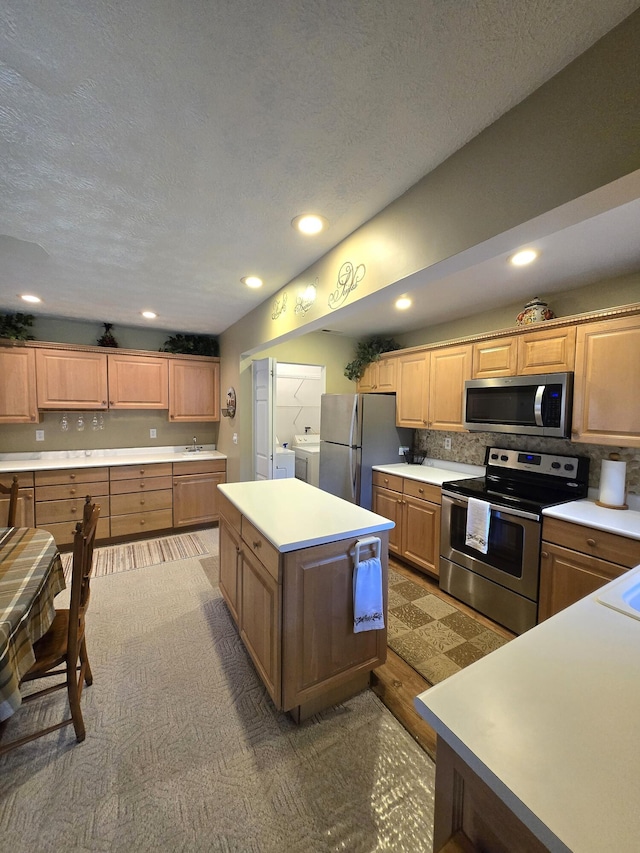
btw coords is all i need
(230, 547)
(320, 650)
(260, 609)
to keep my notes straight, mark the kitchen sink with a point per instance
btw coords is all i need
(623, 596)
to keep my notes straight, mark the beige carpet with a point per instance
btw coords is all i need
(136, 555)
(186, 752)
(431, 635)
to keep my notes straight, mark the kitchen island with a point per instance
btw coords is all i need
(538, 741)
(287, 553)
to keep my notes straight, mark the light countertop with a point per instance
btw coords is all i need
(60, 459)
(433, 471)
(293, 514)
(550, 722)
(589, 514)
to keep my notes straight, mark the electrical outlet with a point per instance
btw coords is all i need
(447, 444)
(39, 435)
(402, 450)
(235, 438)
(153, 433)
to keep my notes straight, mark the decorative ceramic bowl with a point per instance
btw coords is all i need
(534, 312)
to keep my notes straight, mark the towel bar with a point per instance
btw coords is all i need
(363, 543)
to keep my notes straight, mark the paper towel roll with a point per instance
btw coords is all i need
(612, 483)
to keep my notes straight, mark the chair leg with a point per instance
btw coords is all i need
(73, 690)
(84, 659)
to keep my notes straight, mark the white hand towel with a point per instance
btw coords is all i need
(478, 518)
(367, 596)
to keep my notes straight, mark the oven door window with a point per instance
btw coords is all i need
(506, 541)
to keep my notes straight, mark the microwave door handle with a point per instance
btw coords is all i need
(537, 405)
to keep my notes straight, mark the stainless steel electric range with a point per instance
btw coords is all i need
(503, 582)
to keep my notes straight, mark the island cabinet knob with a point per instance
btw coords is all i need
(257, 544)
(386, 481)
(544, 554)
(591, 542)
(421, 490)
(399, 500)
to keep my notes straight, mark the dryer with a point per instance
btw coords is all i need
(307, 452)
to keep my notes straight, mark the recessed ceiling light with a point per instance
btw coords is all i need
(251, 281)
(403, 303)
(28, 297)
(309, 223)
(524, 257)
(150, 315)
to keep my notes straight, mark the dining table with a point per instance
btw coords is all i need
(31, 575)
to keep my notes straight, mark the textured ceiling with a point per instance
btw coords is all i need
(154, 152)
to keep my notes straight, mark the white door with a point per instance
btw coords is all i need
(263, 371)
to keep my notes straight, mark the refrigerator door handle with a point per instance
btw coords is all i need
(354, 412)
(354, 475)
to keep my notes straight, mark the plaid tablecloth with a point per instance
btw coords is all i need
(30, 577)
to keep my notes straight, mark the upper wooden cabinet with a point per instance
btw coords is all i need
(412, 400)
(379, 377)
(70, 379)
(18, 404)
(543, 351)
(450, 368)
(194, 390)
(138, 382)
(606, 402)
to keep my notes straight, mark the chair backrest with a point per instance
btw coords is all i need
(12, 491)
(83, 542)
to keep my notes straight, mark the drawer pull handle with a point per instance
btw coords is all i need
(142, 502)
(257, 544)
(72, 491)
(591, 542)
(72, 476)
(142, 485)
(142, 521)
(386, 481)
(141, 471)
(421, 491)
(74, 509)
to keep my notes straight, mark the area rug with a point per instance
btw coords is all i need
(136, 555)
(431, 635)
(186, 753)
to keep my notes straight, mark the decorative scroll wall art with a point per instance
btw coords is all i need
(304, 302)
(279, 306)
(349, 277)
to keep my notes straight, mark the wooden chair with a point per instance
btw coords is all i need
(62, 650)
(12, 491)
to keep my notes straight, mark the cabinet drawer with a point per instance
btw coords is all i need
(596, 543)
(387, 481)
(25, 479)
(71, 475)
(71, 490)
(145, 502)
(262, 548)
(141, 522)
(63, 531)
(207, 466)
(230, 513)
(140, 484)
(425, 491)
(129, 472)
(49, 512)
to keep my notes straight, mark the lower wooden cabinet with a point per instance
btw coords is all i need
(576, 561)
(60, 497)
(294, 612)
(195, 491)
(26, 509)
(415, 508)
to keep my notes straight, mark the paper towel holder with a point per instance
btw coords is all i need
(614, 457)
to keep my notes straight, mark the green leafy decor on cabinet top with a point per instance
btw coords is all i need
(367, 351)
(191, 345)
(16, 327)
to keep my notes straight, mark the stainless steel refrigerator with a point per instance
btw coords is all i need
(356, 432)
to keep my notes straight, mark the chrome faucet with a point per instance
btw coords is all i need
(194, 447)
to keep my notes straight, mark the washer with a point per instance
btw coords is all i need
(307, 452)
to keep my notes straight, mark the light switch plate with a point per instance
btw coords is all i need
(39, 435)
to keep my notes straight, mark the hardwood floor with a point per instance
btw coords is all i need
(397, 684)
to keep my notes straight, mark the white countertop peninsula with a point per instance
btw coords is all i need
(59, 459)
(550, 723)
(433, 471)
(292, 514)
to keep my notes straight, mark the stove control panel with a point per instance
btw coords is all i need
(549, 464)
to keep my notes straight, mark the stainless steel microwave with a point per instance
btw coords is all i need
(524, 405)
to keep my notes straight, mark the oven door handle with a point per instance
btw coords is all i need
(504, 510)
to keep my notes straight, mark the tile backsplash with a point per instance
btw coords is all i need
(470, 449)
